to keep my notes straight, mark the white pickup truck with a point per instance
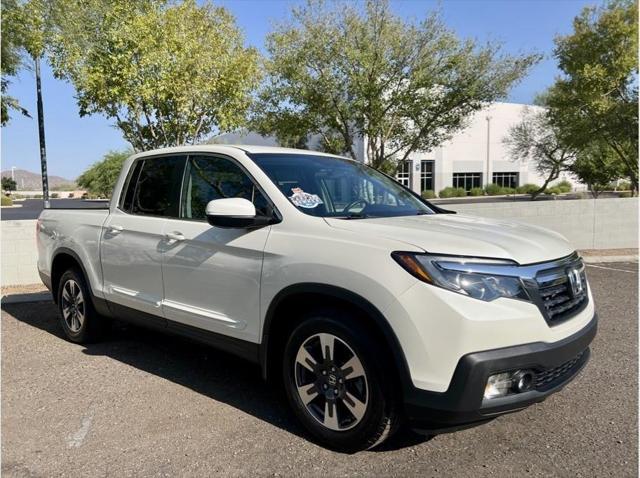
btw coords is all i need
(368, 305)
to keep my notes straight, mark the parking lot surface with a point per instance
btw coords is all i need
(141, 403)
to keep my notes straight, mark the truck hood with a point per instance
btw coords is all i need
(458, 234)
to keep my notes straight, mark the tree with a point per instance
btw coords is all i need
(101, 177)
(360, 72)
(10, 57)
(597, 166)
(8, 184)
(536, 139)
(596, 98)
(168, 74)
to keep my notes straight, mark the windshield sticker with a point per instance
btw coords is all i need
(301, 199)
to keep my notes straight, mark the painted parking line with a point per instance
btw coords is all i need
(612, 269)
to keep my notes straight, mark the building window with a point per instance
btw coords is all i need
(426, 175)
(506, 180)
(403, 176)
(467, 180)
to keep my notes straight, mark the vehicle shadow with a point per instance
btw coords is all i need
(207, 371)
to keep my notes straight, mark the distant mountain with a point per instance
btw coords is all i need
(28, 181)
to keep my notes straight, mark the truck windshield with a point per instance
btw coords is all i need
(326, 186)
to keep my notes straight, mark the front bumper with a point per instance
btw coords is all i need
(462, 404)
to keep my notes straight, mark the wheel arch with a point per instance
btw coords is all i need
(304, 296)
(64, 259)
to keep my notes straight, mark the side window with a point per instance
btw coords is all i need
(126, 199)
(208, 178)
(157, 191)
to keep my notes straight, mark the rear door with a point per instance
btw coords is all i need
(133, 236)
(211, 274)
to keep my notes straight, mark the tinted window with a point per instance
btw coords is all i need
(208, 178)
(334, 187)
(127, 198)
(158, 189)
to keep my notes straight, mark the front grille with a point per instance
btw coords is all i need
(552, 376)
(559, 301)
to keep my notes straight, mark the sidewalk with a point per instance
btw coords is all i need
(594, 256)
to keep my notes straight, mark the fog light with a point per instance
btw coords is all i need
(522, 381)
(506, 383)
(498, 385)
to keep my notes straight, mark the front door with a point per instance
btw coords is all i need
(133, 236)
(211, 274)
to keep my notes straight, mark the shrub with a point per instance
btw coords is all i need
(428, 194)
(6, 201)
(476, 192)
(508, 191)
(564, 186)
(623, 186)
(460, 192)
(625, 194)
(55, 195)
(527, 188)
(493, 189)
(552, 190)
(446, 192)
(70, 196)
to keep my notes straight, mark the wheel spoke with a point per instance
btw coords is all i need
(66, 311)
(305, 359)
(307, 393)
(326, 343)
(80, 300)
(330, 416)
(353, 368)
(355, 406)
(65, 293)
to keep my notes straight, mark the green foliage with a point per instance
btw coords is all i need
(493, 189)
(553, 191)
(428, 194)
(8, 184)
(13, 31)
(537, 139)
(6, 201)
(596, 98)
(621, 186)
(625, 194)
(360, 71)
(597, 166)
(167, 73)
(450, 192)
(54, 195)
(564, 186)
(476, 192)
(528, 189)
(101, 177)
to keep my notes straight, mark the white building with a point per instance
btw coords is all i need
(473, 157)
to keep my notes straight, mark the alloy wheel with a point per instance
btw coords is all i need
(73, 306)
(331, 382)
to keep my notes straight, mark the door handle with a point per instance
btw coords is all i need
(174, 236)
(115, 229)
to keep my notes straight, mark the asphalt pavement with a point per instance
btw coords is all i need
(145, 404)
(31, 208)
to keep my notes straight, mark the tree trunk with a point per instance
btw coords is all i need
(43, 147)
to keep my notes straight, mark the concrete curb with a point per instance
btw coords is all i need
(28, 297)
(600, 259)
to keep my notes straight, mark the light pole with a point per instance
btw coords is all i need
(488, 118)
(13, 173)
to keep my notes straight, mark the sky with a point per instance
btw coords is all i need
(74, 143)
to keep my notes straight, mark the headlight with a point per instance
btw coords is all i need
(483, 279)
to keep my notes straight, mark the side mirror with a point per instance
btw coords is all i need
(234, 213)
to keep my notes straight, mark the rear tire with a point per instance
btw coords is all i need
(80, 321)
(337, 384)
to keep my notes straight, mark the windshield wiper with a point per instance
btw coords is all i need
(355, 215)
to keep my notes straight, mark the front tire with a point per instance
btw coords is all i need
(335, 383)
(79, 319)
